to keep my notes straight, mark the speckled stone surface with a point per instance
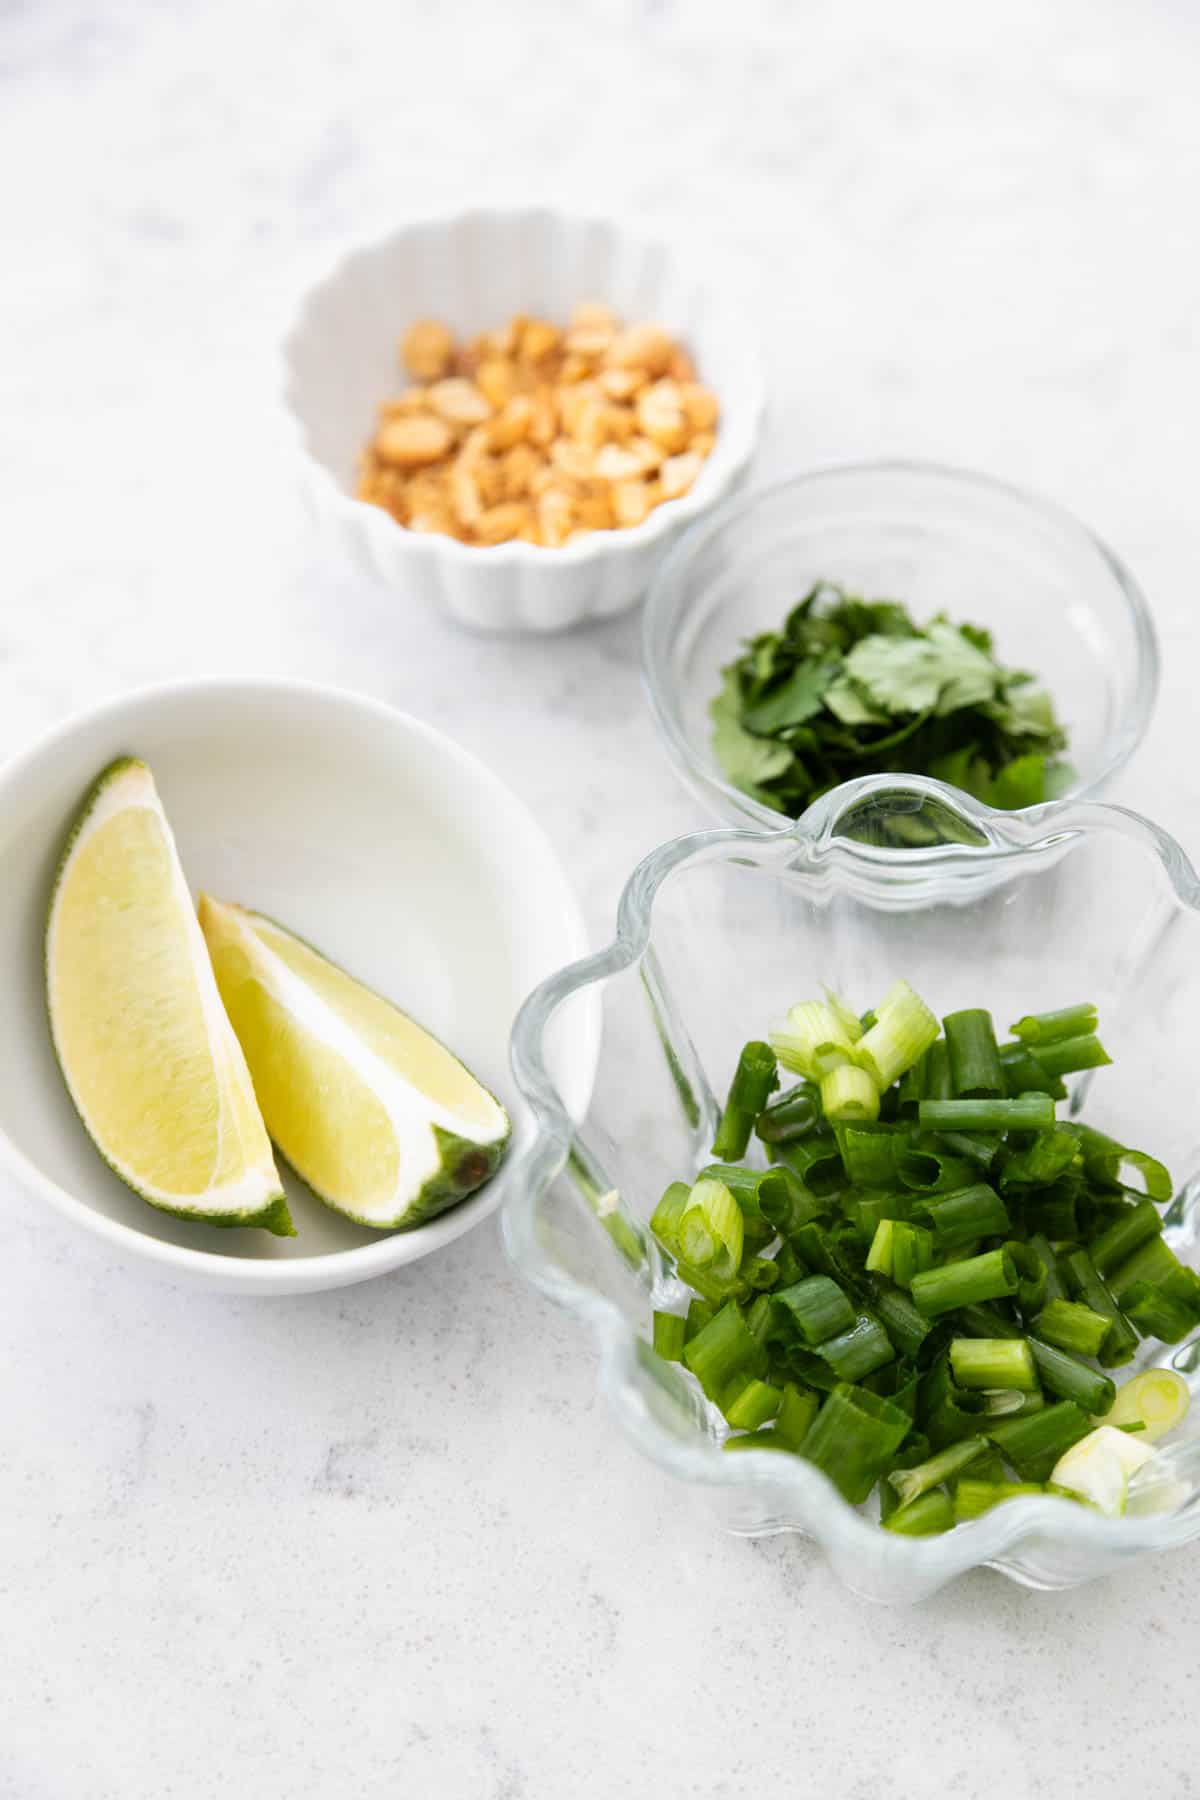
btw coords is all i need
(384, 1542)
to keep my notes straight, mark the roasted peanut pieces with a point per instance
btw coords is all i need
(538, 433)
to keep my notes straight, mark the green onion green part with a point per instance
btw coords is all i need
(910, 1484)
(1028, 1112)
(670, 1335)
(1071, 1326)
(975, 1072)
(754, 1080)
(930, 1514)
(1070, 1379)
(990, 1276)
(973, 1498)
(853, 1438)
(993, 1363)
(1051, 1027)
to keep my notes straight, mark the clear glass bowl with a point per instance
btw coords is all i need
(716, 934)
(1057, 601)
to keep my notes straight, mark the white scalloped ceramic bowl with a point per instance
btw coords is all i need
(716, 933)
(474, 271)
(366, 831)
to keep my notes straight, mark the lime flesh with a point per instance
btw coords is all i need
(379, 1118)
(146, 1050)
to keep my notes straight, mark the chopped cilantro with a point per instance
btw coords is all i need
(854, 687)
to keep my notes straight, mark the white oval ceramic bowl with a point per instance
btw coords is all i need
(370, 834)
(474, 271)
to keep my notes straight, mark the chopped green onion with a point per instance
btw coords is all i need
(1053, 1210)
(910, 1484)
(931, 1169)
(757, 1404)
(936, 1064)
(846, 1017)
(756, 1440)
(813, 1041)
(1023, 1074)
(959, 1218)
(869, 1153)
(1038, 1164)
(1032, 1280)
(1154, 1261)
(879, 1256)
(1028, 1112)
(993, 1363)
(723, 1348)
(1011, 1403)
(785, 1202)
(979, 1148)
(912, 1251)
(743, 1184)
(755, 1079)
(849, 1093)
(1111, 1165)
(1157, 1400)
(924, 1517)
(901, 1320)
(901, 1034)
(1071, 1379)
(1070, 1056)
(853, 1438)
(711, 1229)
(816, 1308)
(1049, 1027)
(818, 1163)
(1080, 1274)
(975, 1071)
(699, 1313)
(991, 1276)
(874, 1208)
(865, 1347)
(973, 1498)
(797, 1410)
(1132, 1228)
(664, 1220)
(793, 1115)
(759, 1273)
(1034, 1444)
(1155, 1314)
(670, 1334)
(986, 1322)
(1070, 1325)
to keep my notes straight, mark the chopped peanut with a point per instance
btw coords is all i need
(678, 473)
(459, 401)
(538, 432)
(426, 349)
(408, 443)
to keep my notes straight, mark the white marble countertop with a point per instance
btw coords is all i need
(385, 1542)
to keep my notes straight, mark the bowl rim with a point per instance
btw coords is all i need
(392, 1250)
(735, 443)
(730, 802)
(813, 1502)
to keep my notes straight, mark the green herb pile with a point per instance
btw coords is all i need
(853, 687)
(928, 1285)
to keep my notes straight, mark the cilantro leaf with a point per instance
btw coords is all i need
(746, 760)
(799, 698)
(941, 671)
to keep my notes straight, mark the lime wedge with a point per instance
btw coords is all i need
(143, 1042)
(380, 1120)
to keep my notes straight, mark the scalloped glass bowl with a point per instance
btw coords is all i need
(938, 539)
(716, 933)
